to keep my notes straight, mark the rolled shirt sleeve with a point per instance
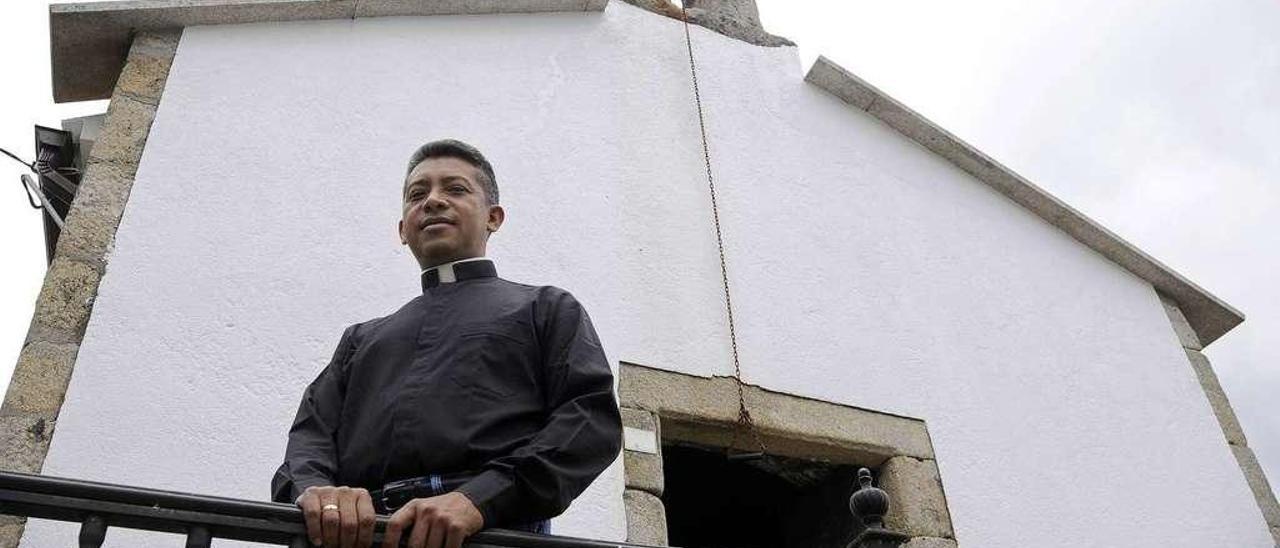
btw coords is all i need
(582, 434)
(311, 456)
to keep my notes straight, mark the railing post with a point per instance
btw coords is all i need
(869, 504)
(93, 531)
(198, 537)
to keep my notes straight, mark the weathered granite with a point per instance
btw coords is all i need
(124, 133)
(10, 530)
(736, 19)
(24, 440)
(39, 380)
(705, 410)
(646, 518)
(1217, 398)
(1258, 483)
(1186, 335)
(929, 542)
(917, 506)
(66, 297)
(150, 59)
(95, 213)
(643, 471)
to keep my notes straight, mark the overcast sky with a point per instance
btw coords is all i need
(1160, 119)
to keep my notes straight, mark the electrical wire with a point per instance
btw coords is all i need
(31, 166)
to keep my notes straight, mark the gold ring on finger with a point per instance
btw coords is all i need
(328, 507)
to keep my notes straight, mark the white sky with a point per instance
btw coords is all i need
(1157, 118)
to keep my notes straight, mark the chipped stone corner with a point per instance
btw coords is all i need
(1233, 433)
(40, 378)
(919, 507)
(929, 542)
(646, 518)
(738, 19)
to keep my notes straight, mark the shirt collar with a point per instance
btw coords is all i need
(456, 271)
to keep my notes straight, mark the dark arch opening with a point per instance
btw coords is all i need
(775, 502)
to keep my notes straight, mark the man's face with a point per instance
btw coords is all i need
(446, 216)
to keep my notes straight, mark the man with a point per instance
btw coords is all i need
(480, 403)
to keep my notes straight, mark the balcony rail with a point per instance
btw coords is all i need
(97, 506)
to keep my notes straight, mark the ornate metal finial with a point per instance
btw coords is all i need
(869, 503)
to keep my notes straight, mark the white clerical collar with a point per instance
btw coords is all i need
(445, 273)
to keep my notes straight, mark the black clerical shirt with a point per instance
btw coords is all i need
(482, 375)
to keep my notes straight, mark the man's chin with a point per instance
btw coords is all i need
(437, 255)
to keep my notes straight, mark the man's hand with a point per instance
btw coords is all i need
(437, 522)
(349, 526)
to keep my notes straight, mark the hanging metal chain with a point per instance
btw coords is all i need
(744, 415)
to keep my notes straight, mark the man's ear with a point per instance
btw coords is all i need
(496, 216)
(400, 229)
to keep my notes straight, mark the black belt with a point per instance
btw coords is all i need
(395, 494)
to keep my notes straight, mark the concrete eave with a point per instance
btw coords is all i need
(1208, 315)
(88, 41)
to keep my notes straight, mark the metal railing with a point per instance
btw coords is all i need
(98, 506)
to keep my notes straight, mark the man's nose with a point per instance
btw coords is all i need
(435, 201)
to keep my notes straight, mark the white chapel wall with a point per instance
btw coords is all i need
(865, 270)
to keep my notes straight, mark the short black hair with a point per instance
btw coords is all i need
(453, 148)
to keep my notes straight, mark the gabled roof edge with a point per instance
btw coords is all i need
(88, 41)
(1208, 315)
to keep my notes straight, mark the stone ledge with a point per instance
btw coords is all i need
(705, 410)
(1208, 315)
(88, 42)
(1217, 398)
(1258, 483)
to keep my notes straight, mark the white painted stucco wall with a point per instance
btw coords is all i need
(866, 271)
